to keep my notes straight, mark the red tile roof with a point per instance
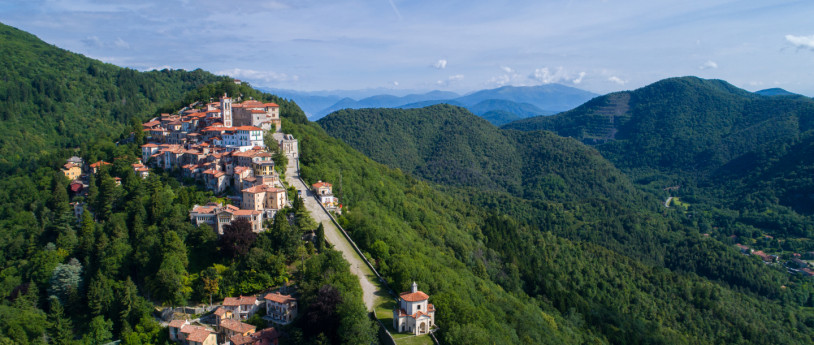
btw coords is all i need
(199, 335)
(239, 339)
(414, 296)
(242, 300)
(248, 128)
(99, 163)
(178, 323)
(279, 298)
(268, 333)
(320, 184)
(246, 212)
(76, 187)
(237, 326)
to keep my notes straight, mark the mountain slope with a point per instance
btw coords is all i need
(739, 159)
(450, 145)
(775, 92)
(572, 238)
(57, 99)
(680, 124)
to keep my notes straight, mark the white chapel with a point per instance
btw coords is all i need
(413, 313)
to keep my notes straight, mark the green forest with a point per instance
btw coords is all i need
(519, 237)
(568, 228)
(742, 161)
(98, 276)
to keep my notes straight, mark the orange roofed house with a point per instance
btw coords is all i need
(216, 216)
(413, 314)
(242, 307)
(181, 331)
(324, 192)
(281, 309)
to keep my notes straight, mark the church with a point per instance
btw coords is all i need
(413, 313)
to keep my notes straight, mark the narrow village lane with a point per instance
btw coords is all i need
(334, 236)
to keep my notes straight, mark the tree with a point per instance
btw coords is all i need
(108, 193)
(100, 295)
(210, 278)
(66, 280)
(128, 300)
(93, 192)
(320, 237)
(304, 220)
(320, 317)
(280, 161)
(60, 327)
(285, 237)
(101, 331)
(237, 238)
(59, 196)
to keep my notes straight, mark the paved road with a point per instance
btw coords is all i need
(334, 236)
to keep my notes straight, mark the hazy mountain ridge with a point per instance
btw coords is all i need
(522, 102)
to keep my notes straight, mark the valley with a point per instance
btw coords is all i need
(167, 206)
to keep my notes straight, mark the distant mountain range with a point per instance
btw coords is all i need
(499, 106)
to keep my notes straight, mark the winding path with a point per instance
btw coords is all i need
(334, 236)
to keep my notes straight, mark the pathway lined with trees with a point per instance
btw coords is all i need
(367, 279)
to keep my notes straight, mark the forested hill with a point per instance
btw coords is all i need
(595, 250)
(681, 124)
(52, 98)
(449, 145)
(742, 160)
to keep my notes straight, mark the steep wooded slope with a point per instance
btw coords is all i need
(53, 98)
(553, 248)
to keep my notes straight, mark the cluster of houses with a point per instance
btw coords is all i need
(78, 172)
(763, 256)
(796, 265)
(222, 145)
(229, 326)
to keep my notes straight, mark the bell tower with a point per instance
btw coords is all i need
(226, 110)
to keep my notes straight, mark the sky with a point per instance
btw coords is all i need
(595, 45)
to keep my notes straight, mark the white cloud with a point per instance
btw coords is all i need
(450, 80)
(252, 75)
(92, 41)
(120, 43)
(617, 80)
(708, 65)
(507, 69)
(546, 76)
(802, 42)
(441, 64)
(395, 83)
(579, 78)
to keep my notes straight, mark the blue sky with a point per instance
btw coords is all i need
(599, 46)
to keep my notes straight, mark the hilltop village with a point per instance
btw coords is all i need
(234, 149)
(223, 145)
